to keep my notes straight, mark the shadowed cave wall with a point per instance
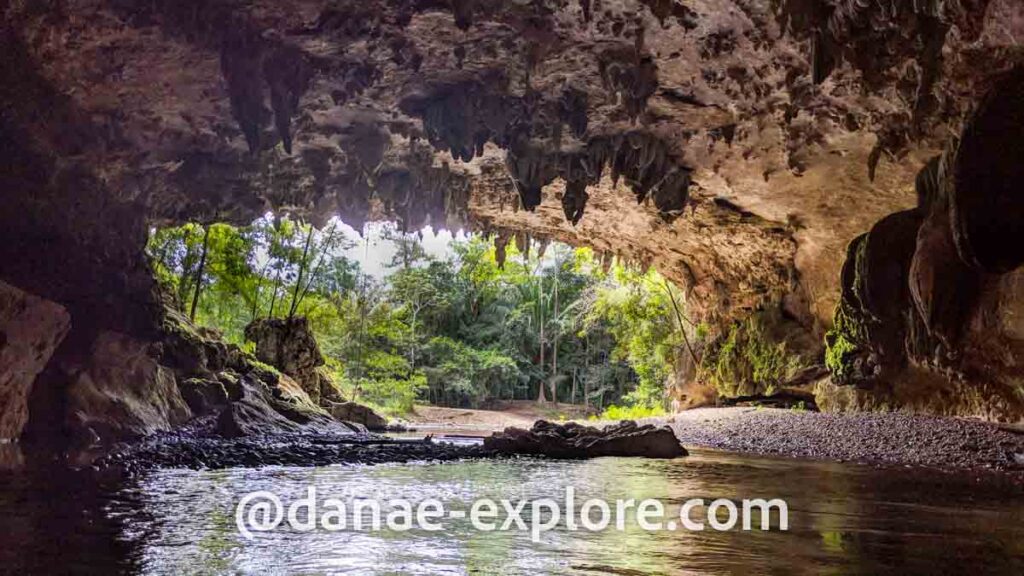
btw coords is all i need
(738, 145)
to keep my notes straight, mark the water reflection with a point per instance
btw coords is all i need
(843, 519)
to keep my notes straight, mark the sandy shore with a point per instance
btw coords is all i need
(520, 413)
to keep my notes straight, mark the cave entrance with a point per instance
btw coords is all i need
(433, 317)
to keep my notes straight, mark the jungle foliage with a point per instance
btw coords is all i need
(456, 331)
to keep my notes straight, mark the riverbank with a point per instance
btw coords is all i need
(300, 450)
(880, 438)
(872, 438)
(518, 413)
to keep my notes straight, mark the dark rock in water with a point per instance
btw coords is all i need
(248, 418)
(576, 441)
(357, 414)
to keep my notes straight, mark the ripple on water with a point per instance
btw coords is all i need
(843, 519)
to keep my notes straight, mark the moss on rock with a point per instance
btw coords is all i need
(755, 356)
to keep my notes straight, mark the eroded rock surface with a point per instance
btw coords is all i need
(121, 391)
(289, 345)
(576, 441)
(946, 336)
(30, 331)
(739, 145)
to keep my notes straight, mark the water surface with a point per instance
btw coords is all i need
(843, 519)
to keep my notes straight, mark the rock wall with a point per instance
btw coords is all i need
(931, 301)
(739, 145)
(31, 329)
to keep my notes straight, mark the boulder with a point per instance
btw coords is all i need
(252, 418)
(190, 350)
(203, 396)
(357, 414)
(289, 345)
(119, 391)
(576, 441)
(31, 328)
(274, 409)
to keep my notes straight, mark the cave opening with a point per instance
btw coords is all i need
(776, 232)
(395, 319)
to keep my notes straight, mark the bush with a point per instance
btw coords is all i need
(635, 412)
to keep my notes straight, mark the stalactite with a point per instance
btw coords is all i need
(500, 244)
(574, 201)
(463, 11)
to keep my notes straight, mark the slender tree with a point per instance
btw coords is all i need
(303, 263)
(199, 272)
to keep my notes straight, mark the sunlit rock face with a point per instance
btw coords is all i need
(739, 145)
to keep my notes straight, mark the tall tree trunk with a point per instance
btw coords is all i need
(273, 297)
(199, 273)
(554, 350)
(540, 313)
(412, 342)
(302, 269)
(682, 327)
(184, 283)
(325, 246)
(586, 372)
(572, 395)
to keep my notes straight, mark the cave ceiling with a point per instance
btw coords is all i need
(738, 145)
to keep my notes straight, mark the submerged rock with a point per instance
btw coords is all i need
(576, 441)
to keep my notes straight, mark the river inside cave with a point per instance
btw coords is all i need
(842, 519)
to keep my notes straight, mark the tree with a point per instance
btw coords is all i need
(458, 331)
(419, 291)
(409, 249)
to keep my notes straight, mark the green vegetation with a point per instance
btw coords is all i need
(750, 359)
(841, 346)
(635, 412)
(455, 331)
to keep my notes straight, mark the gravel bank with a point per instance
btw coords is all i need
(198, 446)
(889, 438)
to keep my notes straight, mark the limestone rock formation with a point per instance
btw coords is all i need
(738, 145)
(120, 391)
(30, 331)
(927, 291)
(289, 345)
(265, 408)
(575, 441)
